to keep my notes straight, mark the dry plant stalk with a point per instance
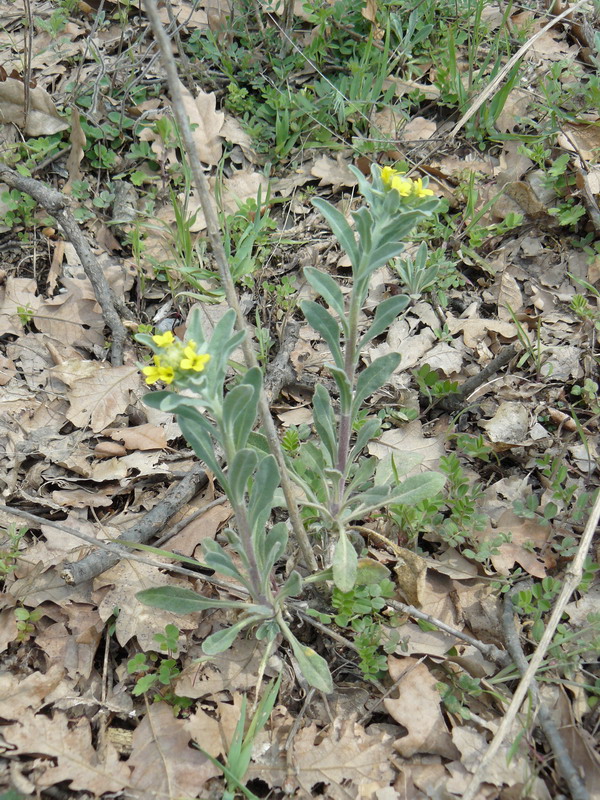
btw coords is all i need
(572, 580)
(493, 85)
(216, 242)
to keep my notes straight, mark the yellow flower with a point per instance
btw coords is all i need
(419, 190)
(192, 359)
(158, 373)
(403, 186)
(164, 339)
(387, 173)
(394, 179)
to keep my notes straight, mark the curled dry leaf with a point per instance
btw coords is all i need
(417, 707)
(42, 118)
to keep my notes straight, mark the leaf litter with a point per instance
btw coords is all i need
(79, 447)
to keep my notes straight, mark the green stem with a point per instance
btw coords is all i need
(350, 360)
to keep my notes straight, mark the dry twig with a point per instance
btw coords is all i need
(491, 88)
(571, 581)
(565, 765)
(216, 242)
(57, 205)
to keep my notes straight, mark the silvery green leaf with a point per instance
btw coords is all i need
(202, 445)
(182, 601)
(329, 290)
(194, 330)
(324, 420)
(222, 640)
(368, 431)
(417, 488)
(343, 385)
(343, 232)
(396, 465)
(321, 320)
(313, 667)
(364, 226)
(216, 558)
(385, 314)
(363, 473)
(275, 542)
(373, 378)
(345, 564)
(371, 571)
(266, 480)
(239, 472)
(292, 587)
(239, 413)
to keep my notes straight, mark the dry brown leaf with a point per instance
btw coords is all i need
(346, 759)
(235, 670)
(419, 129)
(16, 293)
(141, 437)
(509, 297)
(208, 121)
(18, 694)
(118, 587)
(42, 119)
(164, 765)
(475, 330)
(525, 535)
(205, 527)
(214, 732)
(333, 173)
(397, 442)
(417, 708)
(98, 391)
(509, 425)
(70, 743)
(78, 143)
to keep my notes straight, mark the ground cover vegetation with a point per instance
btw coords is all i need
(299, 399)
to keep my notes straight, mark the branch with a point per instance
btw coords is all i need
(565, 766)
(151, 523)
(572, 579)
(57, 205)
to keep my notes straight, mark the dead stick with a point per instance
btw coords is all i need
(457, 399)
(571, 581)
(216, 242)
(563, 761)
(493, 85)
(488, 650)
(152, 523)
(57, 205)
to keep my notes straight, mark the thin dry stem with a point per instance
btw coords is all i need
(493, 85)
(216, 241)
(571, 581)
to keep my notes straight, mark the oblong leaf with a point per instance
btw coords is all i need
(324, 420)
(182, 601)
(385, 314)
(239, 472)
(345, 564)
(328, 288)
(223, 639)
(339, 226)
(312, 665)
(417, 488)
(373, 378)
(321, 320)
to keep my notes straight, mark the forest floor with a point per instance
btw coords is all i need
(497, 105)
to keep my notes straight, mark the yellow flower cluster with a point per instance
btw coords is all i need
(393, 179)
(178, 357)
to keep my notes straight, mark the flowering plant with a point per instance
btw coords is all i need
(337, 482)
